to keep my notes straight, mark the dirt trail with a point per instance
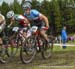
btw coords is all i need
(66, 58)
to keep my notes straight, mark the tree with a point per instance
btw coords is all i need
(16, 7)
(4, 8)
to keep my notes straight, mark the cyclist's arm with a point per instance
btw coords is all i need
(45, 19)
(2, 21)
(26, 21)
(11, 22)
(3, 24)
(2, 18)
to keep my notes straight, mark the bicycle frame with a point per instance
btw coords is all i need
(38, 37)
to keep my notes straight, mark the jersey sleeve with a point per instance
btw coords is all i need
(35, 13)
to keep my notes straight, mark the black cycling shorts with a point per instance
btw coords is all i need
(39, 25)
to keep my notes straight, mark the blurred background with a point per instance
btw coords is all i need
(59, 12)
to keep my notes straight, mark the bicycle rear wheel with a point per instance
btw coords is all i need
(47, 48)
(28, 51)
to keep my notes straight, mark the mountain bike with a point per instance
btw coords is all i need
(21, 43)
(35, 43)
(12, 42)
(42, 45)
(28, 50)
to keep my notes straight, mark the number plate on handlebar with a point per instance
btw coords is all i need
(34, 28)
(15, 29)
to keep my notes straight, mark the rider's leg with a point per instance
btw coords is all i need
(43, 33)
(0, 41)
(1, 52)
(1, 35)
(0, 44)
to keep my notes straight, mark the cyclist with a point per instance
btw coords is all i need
(2, 27)
(17, 17)
(38, 18)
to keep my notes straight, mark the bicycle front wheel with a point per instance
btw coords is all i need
(28, 51)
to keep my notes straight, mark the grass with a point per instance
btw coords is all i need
(60, 49)
(61, 59)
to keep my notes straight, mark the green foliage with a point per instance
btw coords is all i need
(57, 11)
(4, 8)
(16, 7)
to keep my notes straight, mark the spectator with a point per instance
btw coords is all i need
(64, 37)
(59, 39)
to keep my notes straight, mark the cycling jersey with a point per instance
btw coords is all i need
(34, 15)
(20, 19)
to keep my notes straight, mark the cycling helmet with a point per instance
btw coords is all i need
(10, 14)
(26, 5)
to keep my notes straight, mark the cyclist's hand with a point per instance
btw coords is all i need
(47, 27)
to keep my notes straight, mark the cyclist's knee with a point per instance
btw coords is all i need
(42, 32)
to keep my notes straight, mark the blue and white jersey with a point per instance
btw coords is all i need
(34, 14)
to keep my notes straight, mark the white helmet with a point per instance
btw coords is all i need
(10, 14)
(26, 5)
